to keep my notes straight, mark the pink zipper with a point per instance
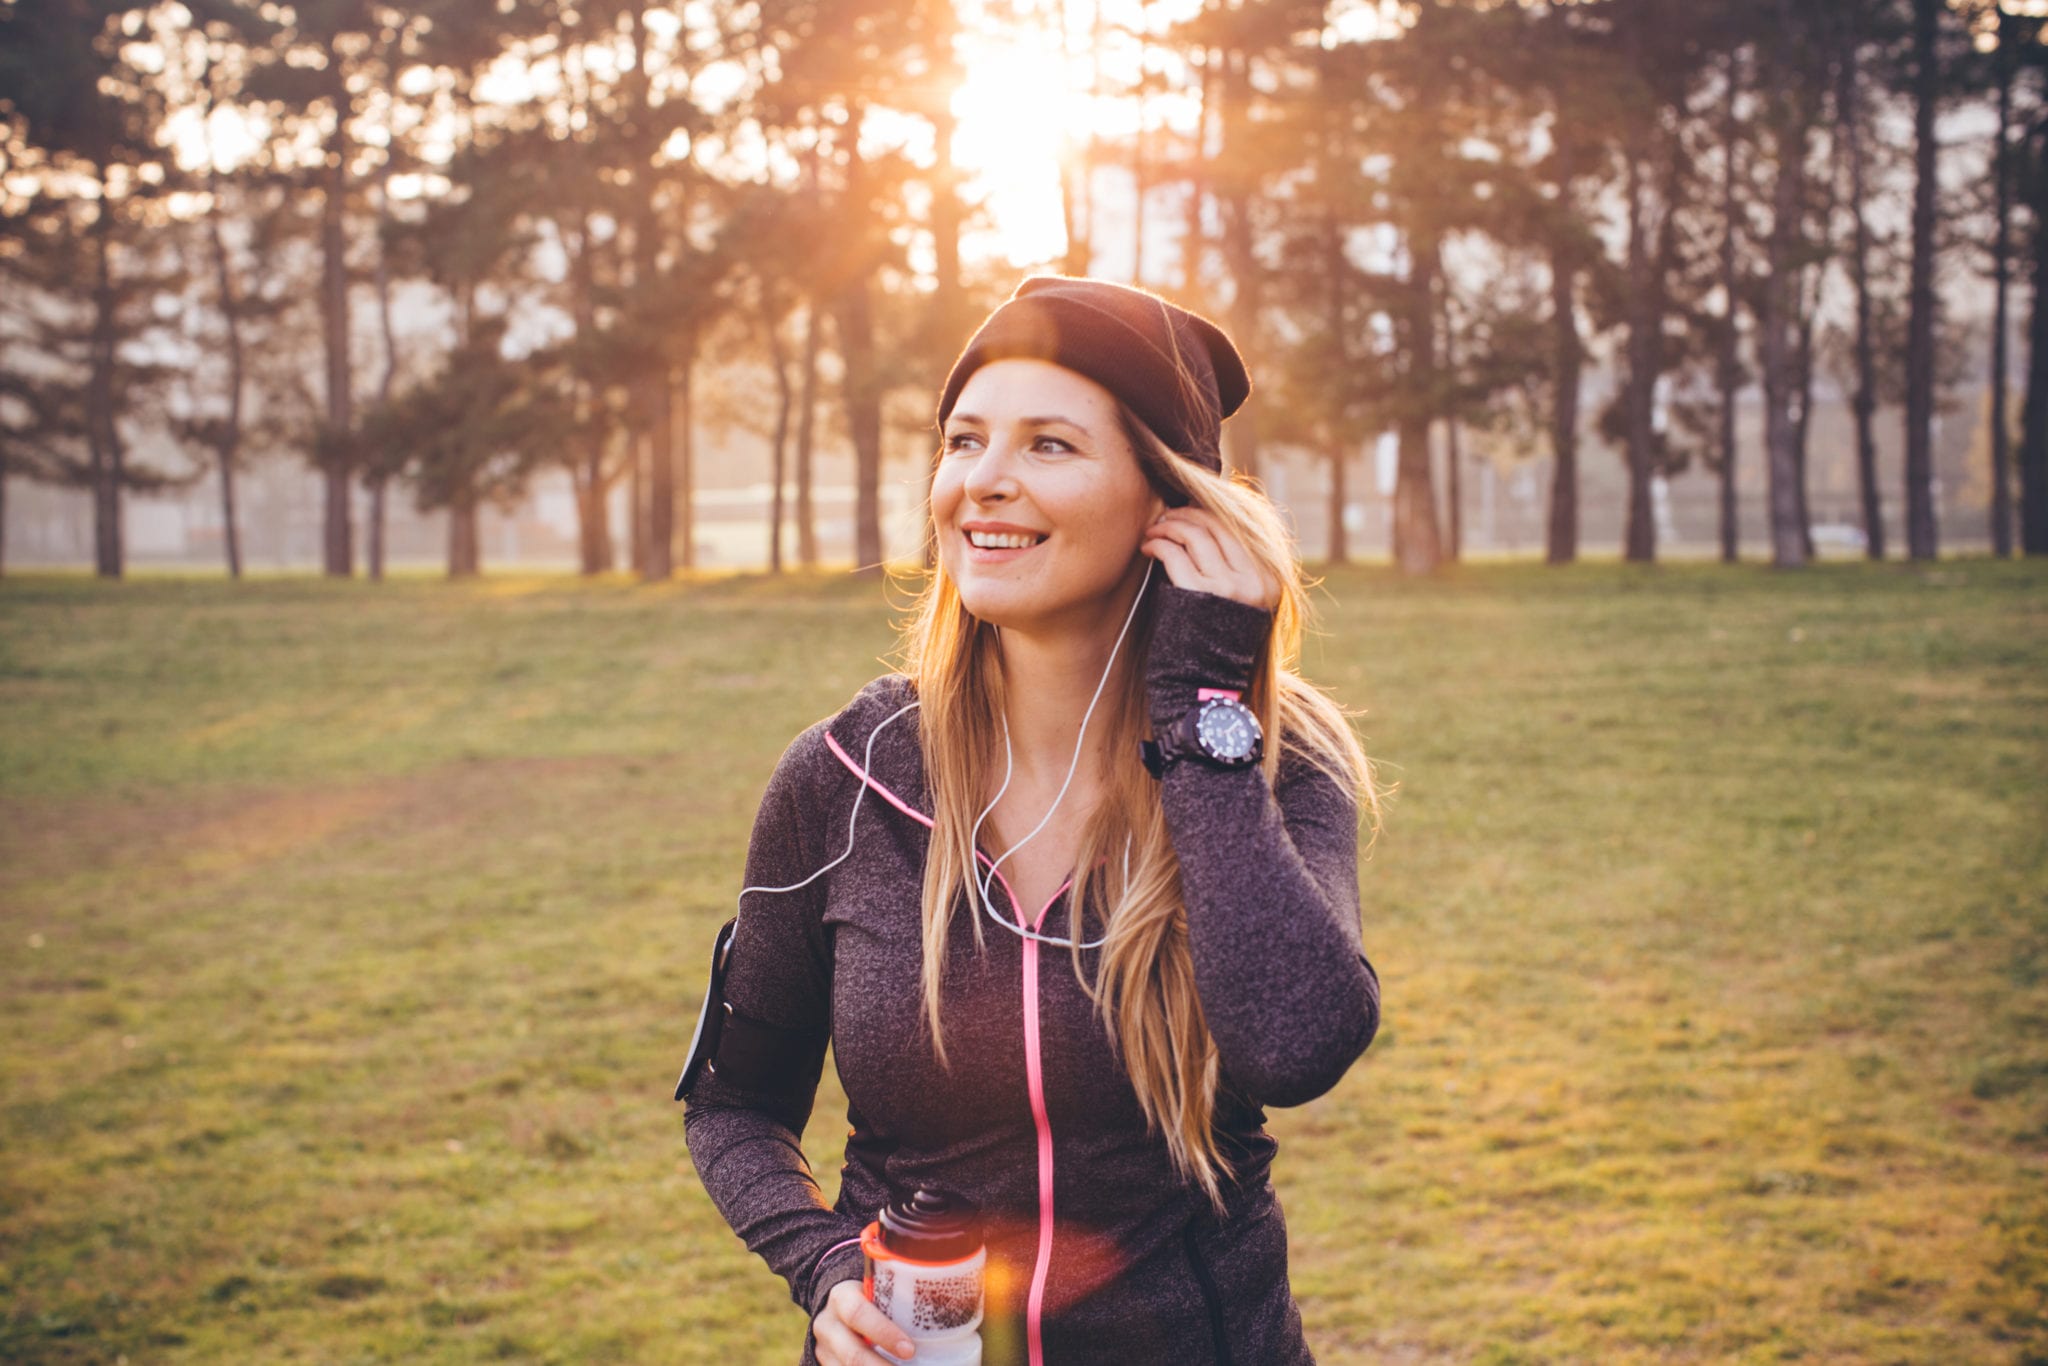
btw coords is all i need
(1034, 1068)
(1034, 1081)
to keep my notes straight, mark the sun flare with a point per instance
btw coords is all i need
(1021, 115)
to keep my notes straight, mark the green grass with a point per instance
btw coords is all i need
(350, 937)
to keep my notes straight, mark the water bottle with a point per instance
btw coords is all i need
(924, 1269)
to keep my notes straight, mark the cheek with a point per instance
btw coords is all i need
(1102, 534)
(946, 491)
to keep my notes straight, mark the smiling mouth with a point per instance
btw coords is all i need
(1003, 540)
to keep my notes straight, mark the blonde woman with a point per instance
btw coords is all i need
(1074, 895)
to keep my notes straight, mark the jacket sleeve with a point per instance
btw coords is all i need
(1269, 874)
(746, 1143)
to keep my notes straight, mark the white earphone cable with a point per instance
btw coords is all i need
(976, 880)
(866, 758)
(984, 882)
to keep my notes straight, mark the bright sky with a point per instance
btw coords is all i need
(1022, 109)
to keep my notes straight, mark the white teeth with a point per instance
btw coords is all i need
(989, 540)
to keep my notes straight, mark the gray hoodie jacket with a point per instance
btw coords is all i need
(1098, 1253)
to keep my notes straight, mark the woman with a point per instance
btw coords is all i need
(1108, 1120)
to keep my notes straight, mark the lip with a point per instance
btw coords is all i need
(983, 555)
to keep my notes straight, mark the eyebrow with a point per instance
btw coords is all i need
(1046, 420)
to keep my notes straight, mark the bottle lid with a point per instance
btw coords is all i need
(931, 1226)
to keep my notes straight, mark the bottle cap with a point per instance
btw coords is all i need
(931, 1226)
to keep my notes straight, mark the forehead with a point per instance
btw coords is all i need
(1019, 387)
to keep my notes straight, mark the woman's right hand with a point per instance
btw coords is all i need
(848, 1323)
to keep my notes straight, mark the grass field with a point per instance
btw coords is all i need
(350, 939)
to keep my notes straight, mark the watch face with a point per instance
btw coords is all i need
(1227, 730)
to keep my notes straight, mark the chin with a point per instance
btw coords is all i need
(1002, 604)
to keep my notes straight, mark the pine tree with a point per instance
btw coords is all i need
(83, 127)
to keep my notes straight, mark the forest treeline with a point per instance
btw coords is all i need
(1422, 217)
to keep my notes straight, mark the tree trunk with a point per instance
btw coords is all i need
(586, 466)
(1419, 549)
(861, 393)
(1561, 542)
(1864, 400)
(1241, 436)
(1074, 189)
(1920, 530)
(1336, 272)
(683, 410)
(659, 563)
(465, 557)
(861, 384)
(593, 513)
(778, 446)
(1340, 498)
(637, 442)
(1728, 366)
(1197, 161)
(1802, 394)
(1241, 433)
(2001, 258)
(654, 454)
(229, 445)
(1454, 490)
(1811, 286)
(1443, 408)
(806, 429)
(463, 552)
(386, 383)
(380, 518)
(1415, 513)
(1775, 347)
(103, 436)
(2033, 453)
(338, 540)
(1640, 536)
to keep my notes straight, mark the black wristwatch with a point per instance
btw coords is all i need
(1220, 731)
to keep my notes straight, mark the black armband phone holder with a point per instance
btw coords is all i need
(751, 1054)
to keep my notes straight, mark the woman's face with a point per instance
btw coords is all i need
(1034, 466)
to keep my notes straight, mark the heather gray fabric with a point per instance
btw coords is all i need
(1141, 1270)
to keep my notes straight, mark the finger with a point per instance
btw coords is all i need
(859, 1313)
(1225, 584)
(1217, 544)
(877, 1327)
(1200, 545)
(839, 1345)
(1234, 555)
(1180, 570)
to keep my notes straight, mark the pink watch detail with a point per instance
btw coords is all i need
(1204, 694)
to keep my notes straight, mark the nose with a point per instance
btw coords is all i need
(992, 478)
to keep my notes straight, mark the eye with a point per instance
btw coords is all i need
(965, 440)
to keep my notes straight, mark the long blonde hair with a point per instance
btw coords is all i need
(1146, 990)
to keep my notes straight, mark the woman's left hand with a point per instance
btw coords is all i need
(1200, 554)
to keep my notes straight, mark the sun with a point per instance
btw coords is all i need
(1039, 89)
(1021, 114)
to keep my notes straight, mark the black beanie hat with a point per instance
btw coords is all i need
(1124, 339)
